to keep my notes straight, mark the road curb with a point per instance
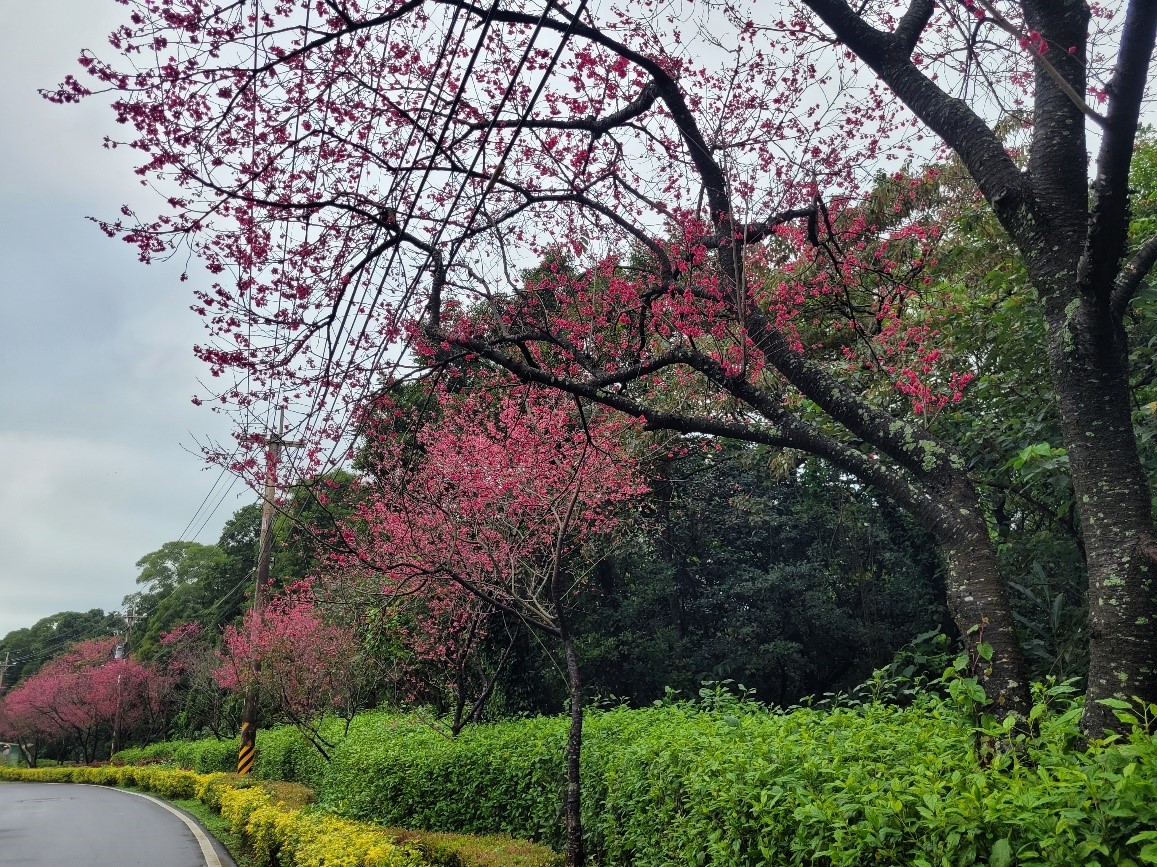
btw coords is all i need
(208, 850)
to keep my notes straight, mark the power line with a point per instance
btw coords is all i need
(523, 118)
(319, 396)
(335, 342)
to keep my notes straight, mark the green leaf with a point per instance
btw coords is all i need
(1115, 703)
(1001, 854)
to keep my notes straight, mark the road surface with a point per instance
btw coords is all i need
(58, 824)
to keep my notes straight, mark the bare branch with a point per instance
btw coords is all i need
(999, 178)
(1129, 280)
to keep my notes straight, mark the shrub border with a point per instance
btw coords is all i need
(277, 835)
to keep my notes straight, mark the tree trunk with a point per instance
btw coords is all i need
(978, 600)
(573, 801)
(1090, 367)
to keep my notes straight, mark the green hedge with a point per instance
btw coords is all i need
(283, 754)
(739, 786)
(742, 786)
(207, 756)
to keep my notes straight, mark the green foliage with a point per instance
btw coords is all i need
(399, 771)
(726, 782)
(791, 579)
(283, 753)
(204, 756)
(302, 528)
(1142, 314)
(50, 637)
(185, 582)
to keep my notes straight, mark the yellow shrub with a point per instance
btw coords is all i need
(325, 841)
(237, 805)
(126, 775)
(88, 775)
(211, 787)
(268, 832)
(171, 783)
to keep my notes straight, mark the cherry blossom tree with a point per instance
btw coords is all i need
(302, 666)
(190, 660)
(505, 497)
(86, 696)
(23, 724)
(433, 646)
(352, 171)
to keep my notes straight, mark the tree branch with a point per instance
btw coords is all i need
(998, 177)
(784, 430)
(595, 125)
(1109, 217)
(913, 23)
(1129, 280)
(668, 89)
(1043, 62)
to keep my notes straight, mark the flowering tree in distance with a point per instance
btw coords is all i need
(301, 665)
(502, 497)
(352, 170)
(79, 698)
(434, 640)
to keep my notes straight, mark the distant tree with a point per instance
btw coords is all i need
(85, 698)
(442, 647)
(791, 579)
(303, 666)
(306, 523)
(190, 582)
(189, 658)
(177, 581)
(52, 636)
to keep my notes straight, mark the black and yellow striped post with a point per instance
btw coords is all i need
(248, 750)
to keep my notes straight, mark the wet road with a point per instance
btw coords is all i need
(58, 824)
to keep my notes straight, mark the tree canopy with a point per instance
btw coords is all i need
(362, 176)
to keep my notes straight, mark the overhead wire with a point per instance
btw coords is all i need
(404, 223)
(495, 117)
(336, 341)
(524, 116)
(390, 195)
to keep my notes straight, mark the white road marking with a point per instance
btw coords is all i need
(207, 850)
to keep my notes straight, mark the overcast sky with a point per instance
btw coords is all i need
(96, 363)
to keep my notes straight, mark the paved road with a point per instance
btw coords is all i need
(62, 825)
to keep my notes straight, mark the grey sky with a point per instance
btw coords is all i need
(96, 364)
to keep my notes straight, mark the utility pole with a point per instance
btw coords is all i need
(248, 750)
(130, 617)
(4, 668)
(121, 652)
